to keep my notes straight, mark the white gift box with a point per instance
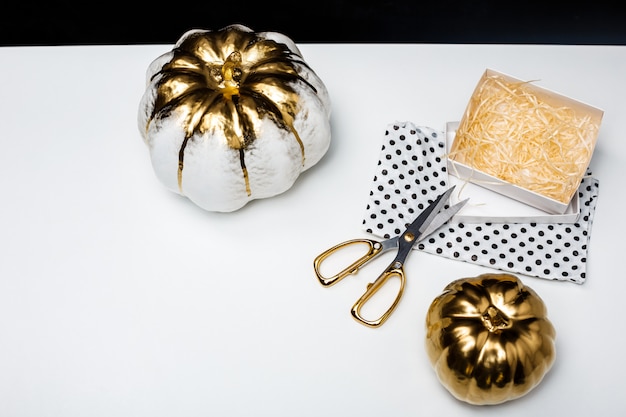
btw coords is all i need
(487, 206)
(566, 207)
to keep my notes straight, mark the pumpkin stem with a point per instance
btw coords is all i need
(495, 320)
(231, 74)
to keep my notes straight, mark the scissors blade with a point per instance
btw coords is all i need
(441, 218)
(412, 233)
(421, 223)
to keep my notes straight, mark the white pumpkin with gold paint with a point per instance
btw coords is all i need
(233, 115)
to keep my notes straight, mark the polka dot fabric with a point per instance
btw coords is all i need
(412, 172)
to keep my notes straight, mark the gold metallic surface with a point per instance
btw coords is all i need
(229, 81)
(370, 249)
(393, 270)
(489, 339)
(373, 249)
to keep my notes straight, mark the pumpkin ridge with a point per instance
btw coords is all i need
(473, 292)
(183, 62)
(165, 109)
(282, 59)
(244, 171)
(248, 132)
(197, 110)
(286, 79)
(193, 77)
(284, 119)
(181, 157)
(191, 126)
(486, 368)
(268, 48)
(248, 136)
(234, 140)
(542, 337)
(212, 43)
(165, 99)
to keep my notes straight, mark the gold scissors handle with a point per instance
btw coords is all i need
(373, 248)
(393, 270)
(429, 220)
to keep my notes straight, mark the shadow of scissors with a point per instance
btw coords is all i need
(429, 220)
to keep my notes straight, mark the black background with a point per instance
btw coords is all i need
(323, 21)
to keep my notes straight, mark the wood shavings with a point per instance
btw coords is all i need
(512, 132)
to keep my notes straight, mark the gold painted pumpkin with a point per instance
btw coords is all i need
(233, 115)
(488, 339)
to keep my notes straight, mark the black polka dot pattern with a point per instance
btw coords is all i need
(412, 172)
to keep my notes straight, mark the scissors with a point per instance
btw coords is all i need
(427, 222)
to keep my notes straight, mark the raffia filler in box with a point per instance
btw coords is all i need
(525, 142)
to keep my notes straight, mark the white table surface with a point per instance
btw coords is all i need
(120, 298)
